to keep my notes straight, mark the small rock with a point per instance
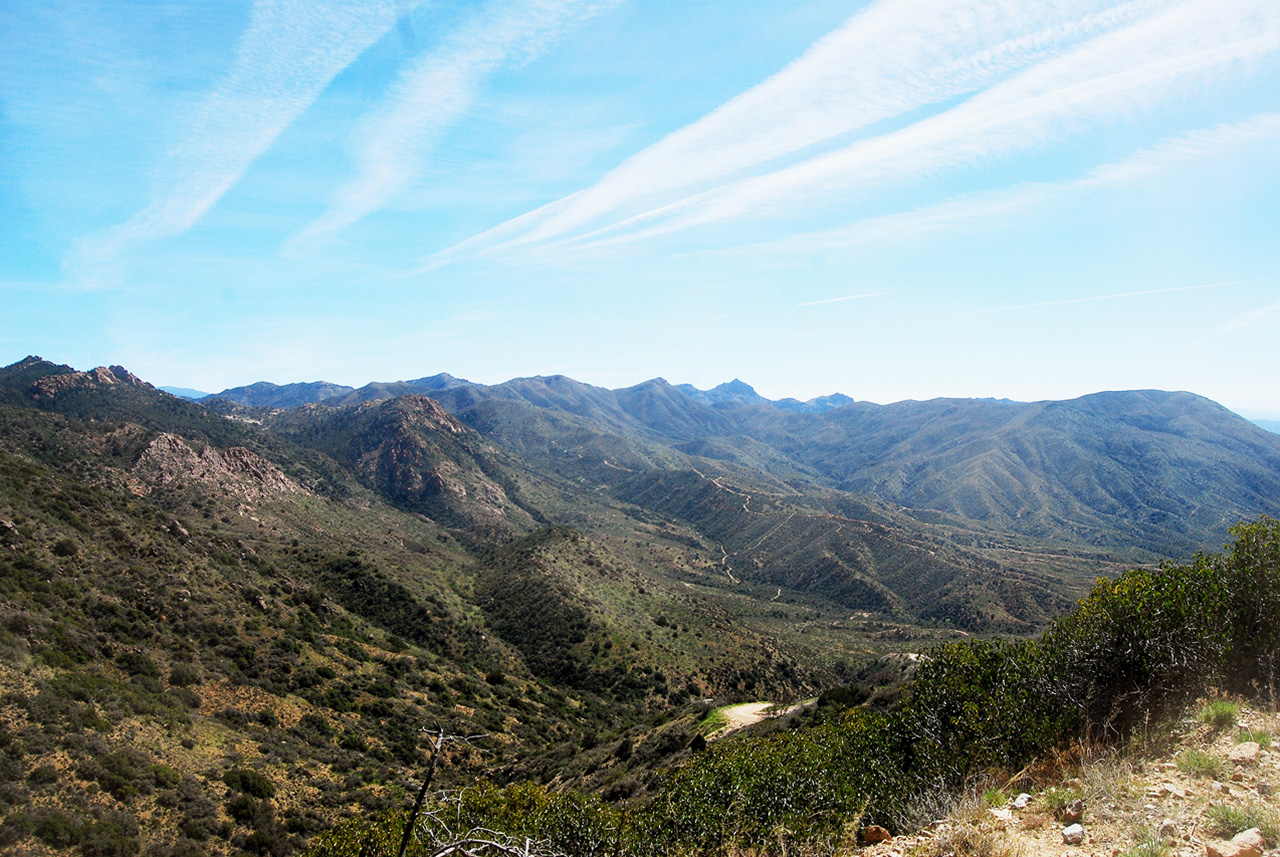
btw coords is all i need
(1021, 801)
(1073, 835)
(1167, 829)
(1222, 848)
(1003, 814)
(1073, 812)
(1245, 753)
(874, 833)
(1251, 838)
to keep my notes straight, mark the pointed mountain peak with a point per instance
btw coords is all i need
(738, 389)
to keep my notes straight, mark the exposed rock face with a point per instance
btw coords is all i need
(403, 453)
(51, 385)
(237, 470)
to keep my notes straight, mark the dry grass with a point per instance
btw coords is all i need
(968, 832)
(1145, 843)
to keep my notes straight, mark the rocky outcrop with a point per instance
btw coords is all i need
(51, 385)
(420, 457)
(168, 459)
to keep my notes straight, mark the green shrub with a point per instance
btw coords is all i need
(58, 829)
(115, 835)
(995, 798)
(1058, 799)
(1198, 763)
(184, 675)
(1259, 736)
(1226, 820)
(1220, 713)
(249, 782)
(65, 548)
(137, 664)
(43, 775)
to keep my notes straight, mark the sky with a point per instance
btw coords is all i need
(899, 199)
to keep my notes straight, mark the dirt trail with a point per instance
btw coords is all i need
(749, 714)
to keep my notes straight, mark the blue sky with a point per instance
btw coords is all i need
(896, 199)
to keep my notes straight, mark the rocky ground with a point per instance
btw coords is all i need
(1180, 792)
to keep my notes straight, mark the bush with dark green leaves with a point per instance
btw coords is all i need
(249, 782)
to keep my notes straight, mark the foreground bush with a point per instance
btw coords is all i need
(1137, 648)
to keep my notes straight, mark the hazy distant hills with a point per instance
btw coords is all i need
(1162, 472)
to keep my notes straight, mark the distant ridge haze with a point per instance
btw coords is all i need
(264, 394)
(267, 394)
(1109, 469)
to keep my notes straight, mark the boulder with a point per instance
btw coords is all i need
(1072, 835)
(1073, 813)
(873, 833)
(1246, 844)
(1245, 753)
(1251, 838)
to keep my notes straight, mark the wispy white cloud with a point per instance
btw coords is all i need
(883, 62)
(1121, 60)
(838, 300)
(1106, 78)
(1247, 320)
(1152, 164)
(391, 144)
(287, 56)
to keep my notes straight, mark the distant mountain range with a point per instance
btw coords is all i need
(1118, 470)
(1269, 425)
(266, 394)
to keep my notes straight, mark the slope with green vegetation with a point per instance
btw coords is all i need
(216, 639)
(1137, 650)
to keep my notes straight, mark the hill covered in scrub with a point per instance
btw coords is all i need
(1131, 655)
(227, 629)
